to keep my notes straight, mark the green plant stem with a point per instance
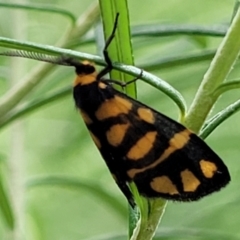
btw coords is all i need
(220, 117)
(160, 29)
(226, 87)
(175, 61)
(151, 220)
(39, 7)
(218, 71)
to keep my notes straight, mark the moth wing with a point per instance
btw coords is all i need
(161, 156)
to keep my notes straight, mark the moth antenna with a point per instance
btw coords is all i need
(58, 60)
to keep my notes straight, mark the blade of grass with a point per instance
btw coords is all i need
(120, 49)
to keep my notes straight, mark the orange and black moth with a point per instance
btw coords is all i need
(162, 157)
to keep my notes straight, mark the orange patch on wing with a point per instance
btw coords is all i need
(95, 140)
(85, 117)
(208, 168)
(113, 107)
(146, 115)
(189, 181)
(178, 141)
(142, 146)
(163, 184)
(116, 133)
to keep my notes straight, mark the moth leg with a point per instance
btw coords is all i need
(109, 66)
(120, 83)
(133, 80)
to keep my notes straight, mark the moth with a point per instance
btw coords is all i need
(162, 157)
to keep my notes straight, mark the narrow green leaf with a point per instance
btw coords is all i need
(161, 30)
(220, 117)
(224, 87)
(40, 7)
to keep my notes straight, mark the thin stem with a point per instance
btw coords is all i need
(218, 71)
(220, 117)
(39, 7)
(226, 87)
(162, 30)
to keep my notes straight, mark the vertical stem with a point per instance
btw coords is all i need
(218, 71)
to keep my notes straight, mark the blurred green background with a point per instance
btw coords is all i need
(52, 144)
